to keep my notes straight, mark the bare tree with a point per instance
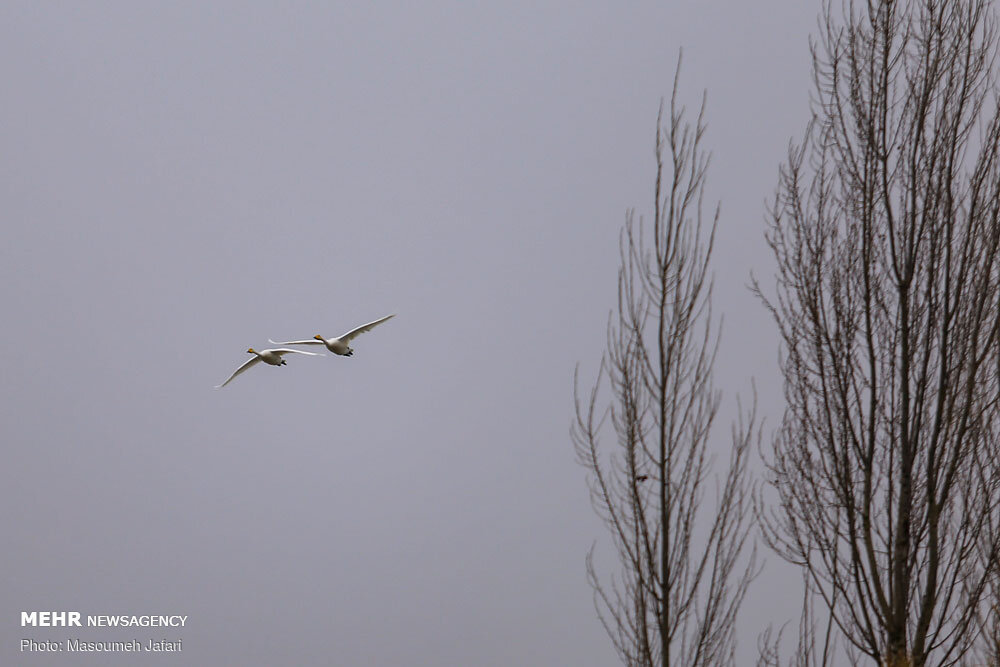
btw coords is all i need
(683, 570)
(886, 232)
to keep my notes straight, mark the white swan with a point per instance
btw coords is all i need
(337, 345)
(272, 357)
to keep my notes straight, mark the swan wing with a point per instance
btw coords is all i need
(285, 350)
(246, 365)
(363, 328)
(295, 342)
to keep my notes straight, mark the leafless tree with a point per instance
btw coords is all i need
(885, 227)
(683, 566)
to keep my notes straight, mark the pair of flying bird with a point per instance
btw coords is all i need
(273, 356)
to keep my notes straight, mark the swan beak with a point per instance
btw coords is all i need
(318, 337)
(250, 351)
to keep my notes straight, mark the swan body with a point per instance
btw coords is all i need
(337, 345)
(272, 357)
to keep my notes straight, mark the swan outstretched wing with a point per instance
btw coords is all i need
(285, 350)
(249, 362)
(363, 328)
(295, 342)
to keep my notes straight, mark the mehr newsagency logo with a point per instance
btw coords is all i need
(74, 619)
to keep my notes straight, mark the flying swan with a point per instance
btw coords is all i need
(337, 345)
(272, 357)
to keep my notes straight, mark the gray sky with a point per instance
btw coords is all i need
(183, 180)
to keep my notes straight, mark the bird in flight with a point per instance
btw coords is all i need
(272, 357)
(337, 345)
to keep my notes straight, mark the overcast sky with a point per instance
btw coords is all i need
(182, 180)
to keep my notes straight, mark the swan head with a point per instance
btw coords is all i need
(318, 337)
(251, 351)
